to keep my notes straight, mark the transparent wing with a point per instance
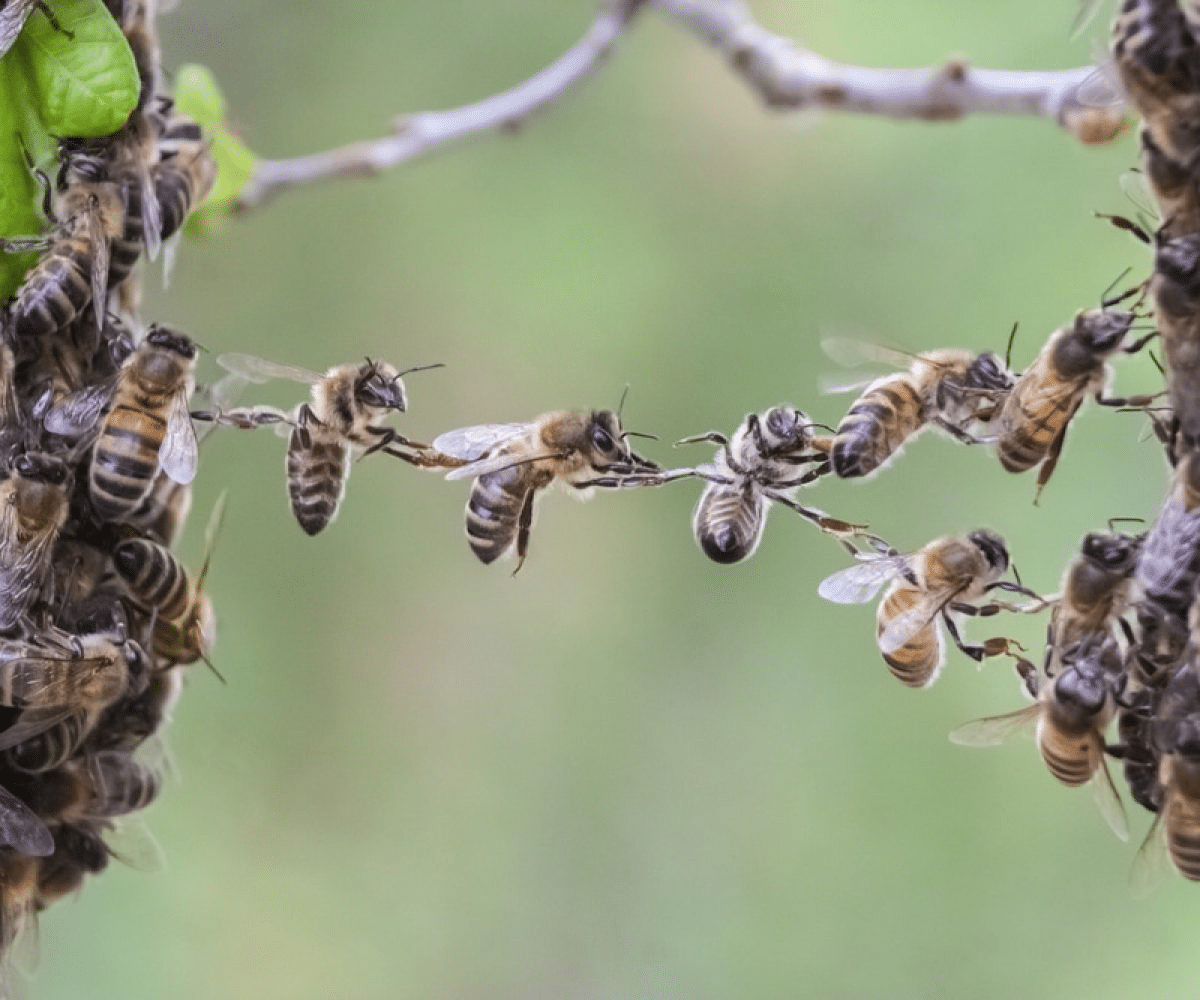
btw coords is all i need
(832, 384)
(1101, 88)
(13, 16)
(1109, 801)
(496, 463)
(852, 353)
(99, 243)
(180, 451)
(131, 842)
(471, 443)
(151, 214)
(31, 723)
(21, 829)
(1152, 861)
(996, 729)
(859, 583)
(80, 411)
(910, 621)
(260, 370)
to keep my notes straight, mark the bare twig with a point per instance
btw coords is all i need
(419, 134)
(784, 75)
(788, 76)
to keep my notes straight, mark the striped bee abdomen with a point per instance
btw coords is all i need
(125, 460)
(493, 510)
(55, 291)
(917, 662)
(317, 467)
(728, 523)
(154, 576)
(876, 425)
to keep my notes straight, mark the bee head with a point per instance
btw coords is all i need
(786, 425)
(1116, 553)
(993, 548)
(81, 160)
(987, 372)
(379, 386)
(1082, 683)
(39, 468)
(1178, 260)
(171, 340)
(1101, 331)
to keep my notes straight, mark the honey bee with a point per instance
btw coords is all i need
(185, 620)
(1177, 823)
(949, 389)
(146, 427)
(120, 784)
(1095, 592)
(89, 213)
(1070, 715)
(762, 463)
(34, 504)
(347, 404)
(184, 174)
(512, 462)
(1033, 419)
(1169, 565)
(93, 672)
(949, 575)
(15, 13)
(1175, 288)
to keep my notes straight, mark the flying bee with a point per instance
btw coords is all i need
(347, 404)
(949, 575)
(1033, 419)
(763, 462)
(1095, 593)
(1070, 715)
(88, 214)
(146, 427)
(15, 13)
(949, 389)
(184, 616)
(512, 462)
(34, 504)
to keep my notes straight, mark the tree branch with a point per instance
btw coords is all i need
(426, 132)
(787, 76)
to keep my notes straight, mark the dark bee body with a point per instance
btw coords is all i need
(1095, 592)
(55, 746)
(1175, 289)
(126, 247)
(34, 503)
(147, 426)
(120, 784)
(944, 388)
(318, 465)
(513, 462)
(163, 510)
(78, 852)
(763, 461)
(1034, 418)
(1179, 775)
(1169, 565)
(1141, 764)
(154, 577)
(184, 175)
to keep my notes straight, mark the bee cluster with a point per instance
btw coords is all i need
(97, 615)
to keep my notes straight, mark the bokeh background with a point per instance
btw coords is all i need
(628, 772)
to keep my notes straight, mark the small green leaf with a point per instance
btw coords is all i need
(197, 94)
(86, 85)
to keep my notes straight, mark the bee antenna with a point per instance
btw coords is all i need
(1157, 363)
(1008, 350)
(824, 427)
(638, 434)
(1115, 520)
(1016, 573)
(621, 405)
(420, 368)
(208, 663)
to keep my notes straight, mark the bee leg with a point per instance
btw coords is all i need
(21, 244)
(1050, 461)
(386, 436)
(716, 437)
(955, 431)
(808, 477)
(523, 525)
(426, 458)
(1133, 402)
(636, 479)
(1016, 588)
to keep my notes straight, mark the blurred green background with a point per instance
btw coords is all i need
(628, 772)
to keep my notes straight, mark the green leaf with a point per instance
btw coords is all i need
(197, 94)
(83, 86)
(54, 85)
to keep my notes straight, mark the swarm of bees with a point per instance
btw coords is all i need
(98, 450)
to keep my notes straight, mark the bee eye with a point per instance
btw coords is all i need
(602, 439)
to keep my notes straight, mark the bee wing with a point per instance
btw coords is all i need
(21, 829)
(151, 214)
(910, 621)
(497, 463)
(180, 451)
(859, 583)
(1109, 802)
(470, 443)
(260, 370)
(131, 842)
(1152, 861)
(13, 16)
(996, 729)
(32, 721)
(79, 411)
(99, 243)
(833, 384)
(851, 353)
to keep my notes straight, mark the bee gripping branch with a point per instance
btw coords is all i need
(784, 74)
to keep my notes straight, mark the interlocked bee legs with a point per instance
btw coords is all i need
(524, 523)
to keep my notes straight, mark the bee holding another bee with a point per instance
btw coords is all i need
(948, 576)
(511, 463)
